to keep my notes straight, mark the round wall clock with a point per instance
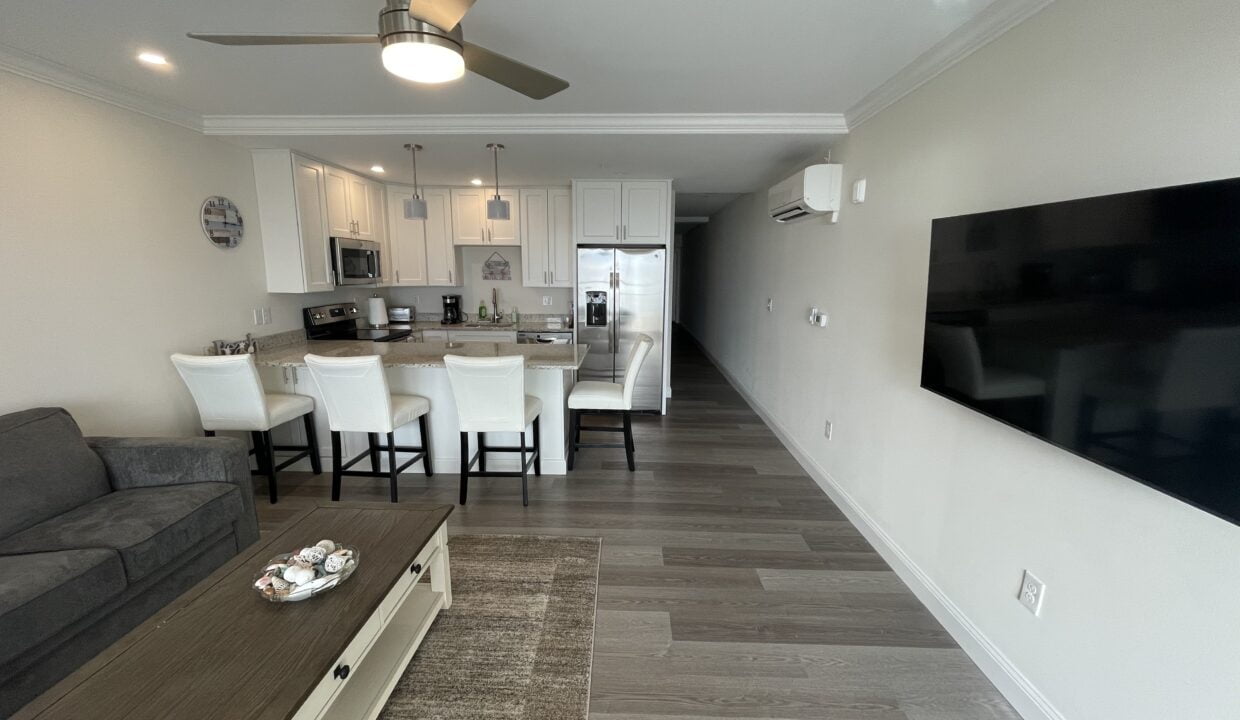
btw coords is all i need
(221, 221)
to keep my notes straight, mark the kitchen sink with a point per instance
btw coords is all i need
(487, 326)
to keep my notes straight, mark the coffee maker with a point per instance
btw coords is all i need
(452, 310)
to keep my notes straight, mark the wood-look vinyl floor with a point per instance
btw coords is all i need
(730, 587)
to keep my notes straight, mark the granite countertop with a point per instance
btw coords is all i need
(425, 354)
(523, 326)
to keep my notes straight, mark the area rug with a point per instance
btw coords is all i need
(518, 641)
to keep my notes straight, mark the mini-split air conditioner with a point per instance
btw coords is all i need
(812, 191)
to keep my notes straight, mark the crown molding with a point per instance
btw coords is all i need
(51, 73)
(976, 33)
(529, 124)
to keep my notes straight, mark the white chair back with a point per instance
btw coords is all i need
(354, 391)
(634, 366)
(489, 392)
(226, 389)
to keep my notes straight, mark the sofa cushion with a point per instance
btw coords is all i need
(47, 468)
(150, 527)
(42, 593)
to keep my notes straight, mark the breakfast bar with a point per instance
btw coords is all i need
(417, 368)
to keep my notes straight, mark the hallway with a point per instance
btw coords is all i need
(730, 586)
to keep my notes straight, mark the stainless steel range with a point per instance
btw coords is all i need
(340, 322)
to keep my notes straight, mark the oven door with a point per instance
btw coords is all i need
(356, 262)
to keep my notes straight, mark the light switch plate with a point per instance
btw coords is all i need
(858, 192)
(546, 300)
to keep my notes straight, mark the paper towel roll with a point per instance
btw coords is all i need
(378, 311)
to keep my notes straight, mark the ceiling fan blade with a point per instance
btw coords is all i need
(512, 74)
(443, 14)
(285, 38)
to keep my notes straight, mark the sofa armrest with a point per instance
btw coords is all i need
(148, 462)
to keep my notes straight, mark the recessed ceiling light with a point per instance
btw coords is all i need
(476, 181)
(151, 58)
(377, 168)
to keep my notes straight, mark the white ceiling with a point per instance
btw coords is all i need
(621, 57)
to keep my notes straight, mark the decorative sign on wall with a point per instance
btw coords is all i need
(221, 221)
(496, 268)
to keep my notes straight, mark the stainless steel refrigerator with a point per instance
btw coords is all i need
(620, 295)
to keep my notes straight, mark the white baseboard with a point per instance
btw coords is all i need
(1007, 678)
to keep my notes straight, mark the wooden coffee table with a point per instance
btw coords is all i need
(221, 651)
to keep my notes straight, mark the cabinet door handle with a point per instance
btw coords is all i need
(341, 672)
(415, 568)
(626, 232)
(617, 232)
(450, 280)
(552, 277)
(397, 277)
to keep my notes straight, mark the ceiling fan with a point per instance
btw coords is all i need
(422, 41)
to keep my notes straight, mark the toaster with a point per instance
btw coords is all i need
(400, 314)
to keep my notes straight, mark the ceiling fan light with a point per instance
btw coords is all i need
(419, 59)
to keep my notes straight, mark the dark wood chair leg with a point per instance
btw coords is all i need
(525, 475)
(537, 448)
(391, 441)
(312, 444)
(208, 433)
(464, 466)
(373, 439)
(336, 463)
(426, 446)
(573, 433)
(628, 440)
(482, 452)
(269, 453)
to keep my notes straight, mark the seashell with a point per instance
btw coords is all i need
(276, 569)
(299, 563)
(263, 582)
(299, 576)
(279, 583)
(269, 592)
(312, 555)
(328, 546)
(334, 563)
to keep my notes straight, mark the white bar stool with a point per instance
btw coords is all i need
(490, 397)
(356, 396)
(230, 396)
(595, 398)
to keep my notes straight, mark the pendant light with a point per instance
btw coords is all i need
(497, 208)
(415, 207)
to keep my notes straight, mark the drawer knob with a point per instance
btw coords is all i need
(415, 568)
(341, 672)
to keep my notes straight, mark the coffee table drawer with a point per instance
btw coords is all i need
(415, 571)
(321, 697)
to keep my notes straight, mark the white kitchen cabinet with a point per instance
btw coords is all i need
(637, 212)
(491, 336)
(292, 211)
(377, 201)
(350, 201)
(422, 250)
(470, 225)
(434, 336)
(546, 237)
(442, 269)
(361, 205)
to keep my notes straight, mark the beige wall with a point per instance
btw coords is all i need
(102, 257)
(1088, 97)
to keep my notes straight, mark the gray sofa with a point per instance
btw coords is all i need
(96, 534)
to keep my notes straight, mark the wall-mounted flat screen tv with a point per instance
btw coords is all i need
(1108, 326)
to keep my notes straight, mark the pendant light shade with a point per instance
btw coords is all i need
(415, 207)
(497, 207)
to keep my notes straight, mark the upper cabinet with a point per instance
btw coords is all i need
(546, 237)
(470, 225)
(637, 212)
(350, 205)
(422, 250)
(292, 211)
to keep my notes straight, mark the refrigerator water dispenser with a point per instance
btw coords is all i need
(596, 309)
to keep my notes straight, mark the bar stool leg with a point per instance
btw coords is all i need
(464, 466)
(336, 463)
(525, 491)
(391, 439)
(426, 447)
(208, 433)
(482, 452)
(537, 448)
(269, 456)
(373, 439)
(573, 435)
(628, 440)
(312, 444)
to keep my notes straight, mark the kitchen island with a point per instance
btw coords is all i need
(417, 368)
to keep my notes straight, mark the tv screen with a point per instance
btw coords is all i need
(1108, 326)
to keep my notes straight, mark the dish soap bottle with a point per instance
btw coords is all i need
(482, 310)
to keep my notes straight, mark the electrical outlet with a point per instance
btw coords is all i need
(1032, 592)
(770, 305)
(827, 430)
(266, 316)
(546, 300)
(258, 316)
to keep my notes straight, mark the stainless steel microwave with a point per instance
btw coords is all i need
(356, 262)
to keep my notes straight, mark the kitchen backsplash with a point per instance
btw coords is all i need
(511, 292)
